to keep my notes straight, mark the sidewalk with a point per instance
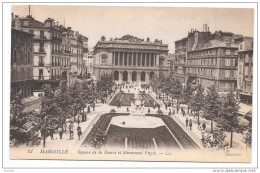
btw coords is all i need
(85, 126)
(181, 120)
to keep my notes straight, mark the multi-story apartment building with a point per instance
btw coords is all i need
(21, 60)
(130, 59)
(47, 50)
(57, 51)
(170, 63)
(215, 65)
(245, 70)
(89, 62)
(194, 40)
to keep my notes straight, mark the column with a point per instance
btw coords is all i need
(113, 58)
(126, 54)
(155, 59)
(120, 76)
(132, 59)
(149, 59)
(129, 76)
(144, 59)
(119, 58)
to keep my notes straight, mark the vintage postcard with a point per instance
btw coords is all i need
(131, 83)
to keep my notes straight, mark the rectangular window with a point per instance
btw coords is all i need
(40, 73)
(227, 62)
(42, 34)
(235, 74)
(29, 58)
(228, 52)
(227, 73)
(246, 70)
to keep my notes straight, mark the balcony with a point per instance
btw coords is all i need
(66, 67)
(43, 37)
(192, 74)
(40, 51)
(41, 64)
(66, 51)
(40, 77)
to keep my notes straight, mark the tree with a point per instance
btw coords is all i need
(197, 101)
(186, 95)
(76, 98)
(248, 135)
(228, 116)
(23, 125)
(212, 104)
(50, 111)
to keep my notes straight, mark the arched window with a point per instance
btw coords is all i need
(134, 74)
(116, 75)
(143, 76)
(125, 76)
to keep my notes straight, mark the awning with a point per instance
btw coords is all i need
(245, 110)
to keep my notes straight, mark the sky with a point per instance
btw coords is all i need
(164, 23)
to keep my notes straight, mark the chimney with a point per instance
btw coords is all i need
(203, 27)
(208, 29)
(148, 39)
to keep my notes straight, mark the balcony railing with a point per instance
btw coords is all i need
(43, 37)
(41, 50)
(40, 77)
(41, 64)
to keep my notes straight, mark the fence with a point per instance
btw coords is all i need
(191, 134)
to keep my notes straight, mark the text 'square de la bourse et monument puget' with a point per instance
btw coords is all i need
(130, 59)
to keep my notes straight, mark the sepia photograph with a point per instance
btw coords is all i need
(131, 83)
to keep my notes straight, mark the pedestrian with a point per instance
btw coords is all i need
(51, 134)
(78, 120)
(79, 132)
(71, 130)
(88, 108)
(204, 126)
(190, 124)
(166, 106)
(178, 107)
(127, 109)
(187, 122)
(60, 132)
(199, 127)
(65, 127)
(170, 113)
(149, 111)
(173, 111)
(93, 105)
(182, 111)
(119, 104)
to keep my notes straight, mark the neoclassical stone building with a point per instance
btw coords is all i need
(130, 59)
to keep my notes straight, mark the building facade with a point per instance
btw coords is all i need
(194, 40)
(21, 60)
(245, 70)
(47, 47)
(213, 66)
(57, 52)
(89, 60)
(130, 59)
